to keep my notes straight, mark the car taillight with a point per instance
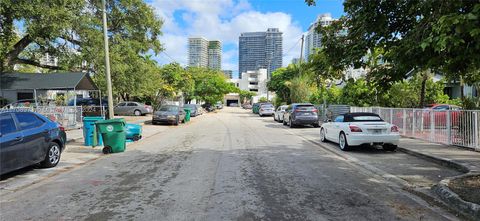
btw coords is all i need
(261, 109)
(355, 128)
(315, 110)
(394, 128)
(61, 128)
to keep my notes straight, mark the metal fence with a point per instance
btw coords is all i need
(68, 116)
(452, 127)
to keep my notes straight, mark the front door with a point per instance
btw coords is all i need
(11, 144)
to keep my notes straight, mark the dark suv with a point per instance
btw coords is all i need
(28, 138)
(300, 114)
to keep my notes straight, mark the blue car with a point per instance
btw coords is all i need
(28, 138)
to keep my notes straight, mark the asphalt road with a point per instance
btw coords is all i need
(233, 165)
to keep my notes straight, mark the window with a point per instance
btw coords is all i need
(367, 118)
(339, 118)
(7, 125)
(132, 104)
(29, 120)
(121, 104)
(441, 107)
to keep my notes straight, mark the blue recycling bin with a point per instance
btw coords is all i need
(89, 128)
(133, 131)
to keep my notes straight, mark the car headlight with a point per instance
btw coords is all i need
(171, 116)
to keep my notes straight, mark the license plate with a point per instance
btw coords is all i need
(377, 131)
(306, 113)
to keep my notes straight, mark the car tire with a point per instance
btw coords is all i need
(177, 121)
(290, 123)
(342, 142)
(389, 147)
(52, 157)
(322, 135)
(316, 125)
(274, 118)
(137, 113)
(284, 122)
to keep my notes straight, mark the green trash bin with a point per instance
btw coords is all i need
(113, 135)
(187, 114)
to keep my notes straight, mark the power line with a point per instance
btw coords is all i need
(169, 57)
(296, 43)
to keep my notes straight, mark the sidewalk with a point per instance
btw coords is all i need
(461, 159)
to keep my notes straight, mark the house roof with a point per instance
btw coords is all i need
(50, 81)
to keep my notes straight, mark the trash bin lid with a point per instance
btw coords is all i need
(112, 125)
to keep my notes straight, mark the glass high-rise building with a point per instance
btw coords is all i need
(313, 39)
(204, 53)
(260, 50)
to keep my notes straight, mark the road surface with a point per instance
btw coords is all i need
(233, 165)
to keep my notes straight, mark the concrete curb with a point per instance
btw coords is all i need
(442, 161)
(442, 190)
(469, 209)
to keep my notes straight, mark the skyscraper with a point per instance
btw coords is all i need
(215, 55)
(260, 50)
(204, 53)
(314, 39)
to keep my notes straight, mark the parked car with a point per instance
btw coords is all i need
(233, 105)
(247, 106)
(278, 115)
(171, 114)
(25, 103)
(256, 107)
(28, 138)
(219, 105)
(266, 109)
(354, 129)
(300, 114)
(87, 102)
(131, 107)
(200, 109)
(193, 109)
(440, 112)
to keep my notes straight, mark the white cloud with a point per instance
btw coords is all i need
(222, 20)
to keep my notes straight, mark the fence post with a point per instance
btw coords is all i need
(391, 115)
(449, 128)
(404, 121)
(414, 123)
(432, 125)
(476, 132)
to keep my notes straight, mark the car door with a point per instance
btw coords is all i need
(11, 144)
(335, 128)
(131, 107)
(119, 109)
(35, 136)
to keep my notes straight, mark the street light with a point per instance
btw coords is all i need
(107, 62)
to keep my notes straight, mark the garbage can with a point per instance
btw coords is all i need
(88, 130)
(113, 135)
(187, 114)
(133, 131)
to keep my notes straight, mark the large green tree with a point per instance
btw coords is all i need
(71, 30)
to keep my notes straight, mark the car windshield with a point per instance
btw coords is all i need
(367, 118)
(189, 106)
(169, 108)
(267, 106)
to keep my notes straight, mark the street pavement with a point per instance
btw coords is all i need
(233, 165)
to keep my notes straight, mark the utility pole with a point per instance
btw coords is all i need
(107, 62)
(301, 50)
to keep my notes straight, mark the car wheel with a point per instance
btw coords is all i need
(342, 142)
(389, 147)
(322, 135)
(316, 125)
(290, 123)
(137, 113)
(176, 122)
(284, 123)
(107, 150)
(53, 155)
(274, 117)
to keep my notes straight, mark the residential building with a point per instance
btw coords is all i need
(258, 50)
(255, 81)
(228, 73)
(204, 53)
(215, 55)
(313, 39)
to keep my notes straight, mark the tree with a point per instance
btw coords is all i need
(280, 81)
(211, 85)
(72, 32)
(246, 95)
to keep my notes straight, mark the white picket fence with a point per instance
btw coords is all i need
(452, 127)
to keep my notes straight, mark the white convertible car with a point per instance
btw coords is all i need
(354, 129)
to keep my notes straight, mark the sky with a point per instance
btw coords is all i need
(224, 20)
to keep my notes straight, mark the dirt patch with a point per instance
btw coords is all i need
(467, 188)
